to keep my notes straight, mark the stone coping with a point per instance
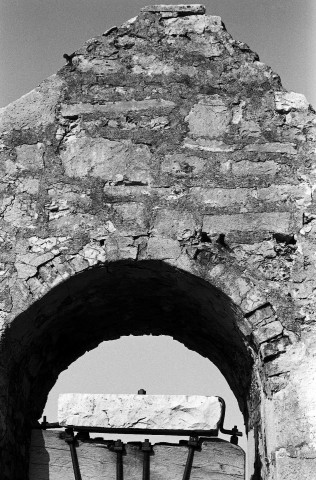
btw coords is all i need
(193, 9)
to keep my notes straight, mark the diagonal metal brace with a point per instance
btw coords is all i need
(70, 439)
(193, 444)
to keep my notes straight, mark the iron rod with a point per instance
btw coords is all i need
(146, 448)
(119, 466)
(70, 439)
(133, 431)
(119, 448)
(192, 444)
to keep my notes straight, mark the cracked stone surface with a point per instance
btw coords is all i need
(162, 184)
(166, 412)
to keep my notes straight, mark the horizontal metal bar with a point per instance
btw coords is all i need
(131, 431)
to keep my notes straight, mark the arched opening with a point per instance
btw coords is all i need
(158, 363)
(105, 303)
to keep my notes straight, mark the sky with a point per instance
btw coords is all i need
(159, 365)
(34, 35)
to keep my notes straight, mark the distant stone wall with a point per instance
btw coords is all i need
(162, 182)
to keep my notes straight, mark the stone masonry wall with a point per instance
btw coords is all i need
(166, 155)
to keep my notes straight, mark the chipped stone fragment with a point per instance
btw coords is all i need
(287, 101)
(170, 412)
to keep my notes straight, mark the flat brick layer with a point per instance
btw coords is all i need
(170, 412)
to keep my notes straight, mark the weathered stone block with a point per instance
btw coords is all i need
(275, 147)
(301, 193)
(286, 101)
(163, 248)
(195, 9)
(151, 65)
(222, 197)
(194, 24)
(35, 110)
(30, 157)
(71, 110)
(106, 159)
(268, 331)
(209, 118)
(271, 222)
(170, 412)
(169, 223)
(208, 145)
(245, 167)
(182, 164)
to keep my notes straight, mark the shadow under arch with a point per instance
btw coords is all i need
(104, 303)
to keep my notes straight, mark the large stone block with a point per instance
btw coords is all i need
(162, 412)
(194, 24)
(114, 107)
(278, 222)
(35, 110)
(287, 101)
(107, 159)
(209, 118)
(193, 9)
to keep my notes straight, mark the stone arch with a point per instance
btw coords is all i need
(166, 145)
(121, 298)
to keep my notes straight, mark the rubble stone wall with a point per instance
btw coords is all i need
(162, 182)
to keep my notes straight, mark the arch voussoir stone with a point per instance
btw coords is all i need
(162, 182)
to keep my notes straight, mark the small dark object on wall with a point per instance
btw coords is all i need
(69, 59)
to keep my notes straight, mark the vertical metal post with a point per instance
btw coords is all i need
(193, 443)
(146, 448)
(70, 439)
(118, 448)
